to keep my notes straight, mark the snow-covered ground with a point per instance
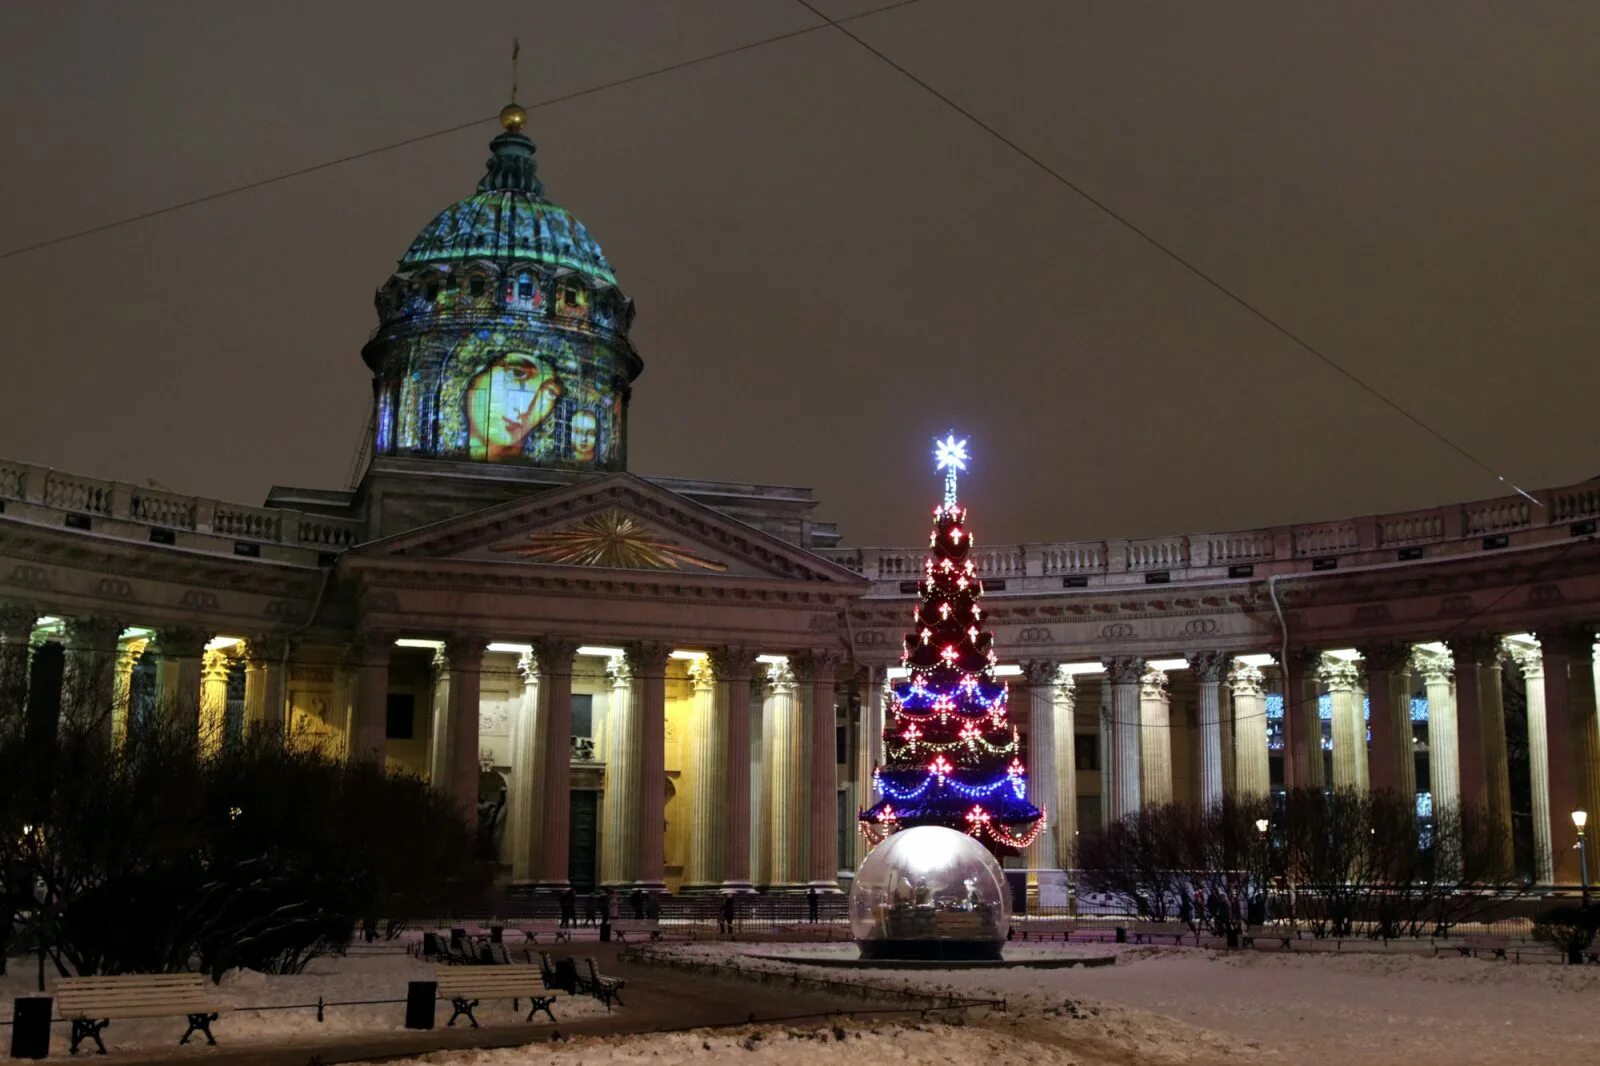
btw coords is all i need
(1166, 1005)
(362, 976)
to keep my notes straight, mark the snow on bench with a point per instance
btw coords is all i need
(636, 927)
(464, 988)
(90, 1003)
(1470, 946)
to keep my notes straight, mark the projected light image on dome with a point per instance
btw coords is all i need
(502, 335)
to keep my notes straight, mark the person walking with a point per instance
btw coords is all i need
(569, 908)
(636, 901)
(590, 905)
(812, 900)
(725, 915)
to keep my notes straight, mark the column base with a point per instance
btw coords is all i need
(825, 887)
(549, 886)
(788, 888)
(736, 888)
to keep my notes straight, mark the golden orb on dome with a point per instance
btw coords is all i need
(513, 117)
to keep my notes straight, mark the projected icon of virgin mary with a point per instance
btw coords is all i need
(505, 402)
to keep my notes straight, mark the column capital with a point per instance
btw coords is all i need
(528, 667)
(1124, 669)
(1302, 661)
(1210, 666)
(1065, 691)
(1340, 675)
(1529, 659)
(1040, 673)
(1153, 684)
(733, 663)
(1387, 657)
(215, 665)
(1573, 642)
(554, 654)
(815, 666)
(181, 642)
(1481, 649)
(647, 658)
(617, 670)
(464, 653)
(92, 633)
(779, 677)
(1435, 667)
(17, 621)
(702, 675)
(265, 650)
(1246, 679)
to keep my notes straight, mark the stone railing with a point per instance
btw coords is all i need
(1377, 540)
(50, 495)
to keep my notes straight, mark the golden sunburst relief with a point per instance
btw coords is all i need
(610, 538)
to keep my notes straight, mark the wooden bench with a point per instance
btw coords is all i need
(603, 988)
(90, 1003)
(1470, 947)
(1285, 936)
(1177, 931)
(636, 927)
(464, 988)
(554, 930)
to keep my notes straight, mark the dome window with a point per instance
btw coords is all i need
(525, 287)
(476, 285)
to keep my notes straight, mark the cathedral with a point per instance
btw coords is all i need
(679, 684)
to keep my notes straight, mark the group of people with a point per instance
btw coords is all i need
(1218, 912)
(600, 907)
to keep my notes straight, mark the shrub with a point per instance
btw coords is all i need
(1568, 929)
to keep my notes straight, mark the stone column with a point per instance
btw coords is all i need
(1339, 675)
(707, 758)
(88, 685)
(1480, 714)
(179, 650)
(1125, 673)
(619, 854)
(215, 666)
(1573, 743)
(441, 736)
(1393, 758)
(648, 662)
(554, 746)
(1302, 725)
(1155, 738)
(822, 808)
(1210, 670)
(524, 805)
(781, 817)
(869, 748)
(16, 632)
(466, 666)
(1105, 728)
(1531, 665)
(1253, 771)
(1063, 698)
(265, 692)
(1437, 671)
(1040, 759)
(369, 718)
(129, 652)
(733, 668)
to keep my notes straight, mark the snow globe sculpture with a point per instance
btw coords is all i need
(929, 892)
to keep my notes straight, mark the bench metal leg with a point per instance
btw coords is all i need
(86, 1027)
(200, 1023)
(463, 1006)
(540, 1003)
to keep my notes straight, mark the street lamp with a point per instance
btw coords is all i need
(1581, 819)
(1261, 825)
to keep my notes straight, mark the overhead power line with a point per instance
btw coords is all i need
(1171, 253)
(433, 134)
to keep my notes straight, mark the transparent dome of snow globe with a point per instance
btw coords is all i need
(930, 893)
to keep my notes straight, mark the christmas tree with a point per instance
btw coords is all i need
(951, 756)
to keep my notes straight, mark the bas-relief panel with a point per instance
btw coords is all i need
(312, 720)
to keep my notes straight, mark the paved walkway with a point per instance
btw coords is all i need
(658, 998)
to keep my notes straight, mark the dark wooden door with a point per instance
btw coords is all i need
(583, 854)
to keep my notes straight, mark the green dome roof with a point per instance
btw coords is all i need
(506, 225)
(509, 219)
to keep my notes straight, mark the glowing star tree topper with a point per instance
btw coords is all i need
(950, 455)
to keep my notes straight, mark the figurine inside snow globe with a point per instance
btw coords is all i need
(929, 892)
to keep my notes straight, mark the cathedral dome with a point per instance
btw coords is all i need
(502, 335)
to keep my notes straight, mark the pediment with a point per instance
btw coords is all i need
(619, 523)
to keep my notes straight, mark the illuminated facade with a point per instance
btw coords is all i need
(680, 683)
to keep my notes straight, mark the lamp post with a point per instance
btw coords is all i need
(1580, 819)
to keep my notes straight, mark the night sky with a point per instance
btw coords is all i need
(831, 266)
